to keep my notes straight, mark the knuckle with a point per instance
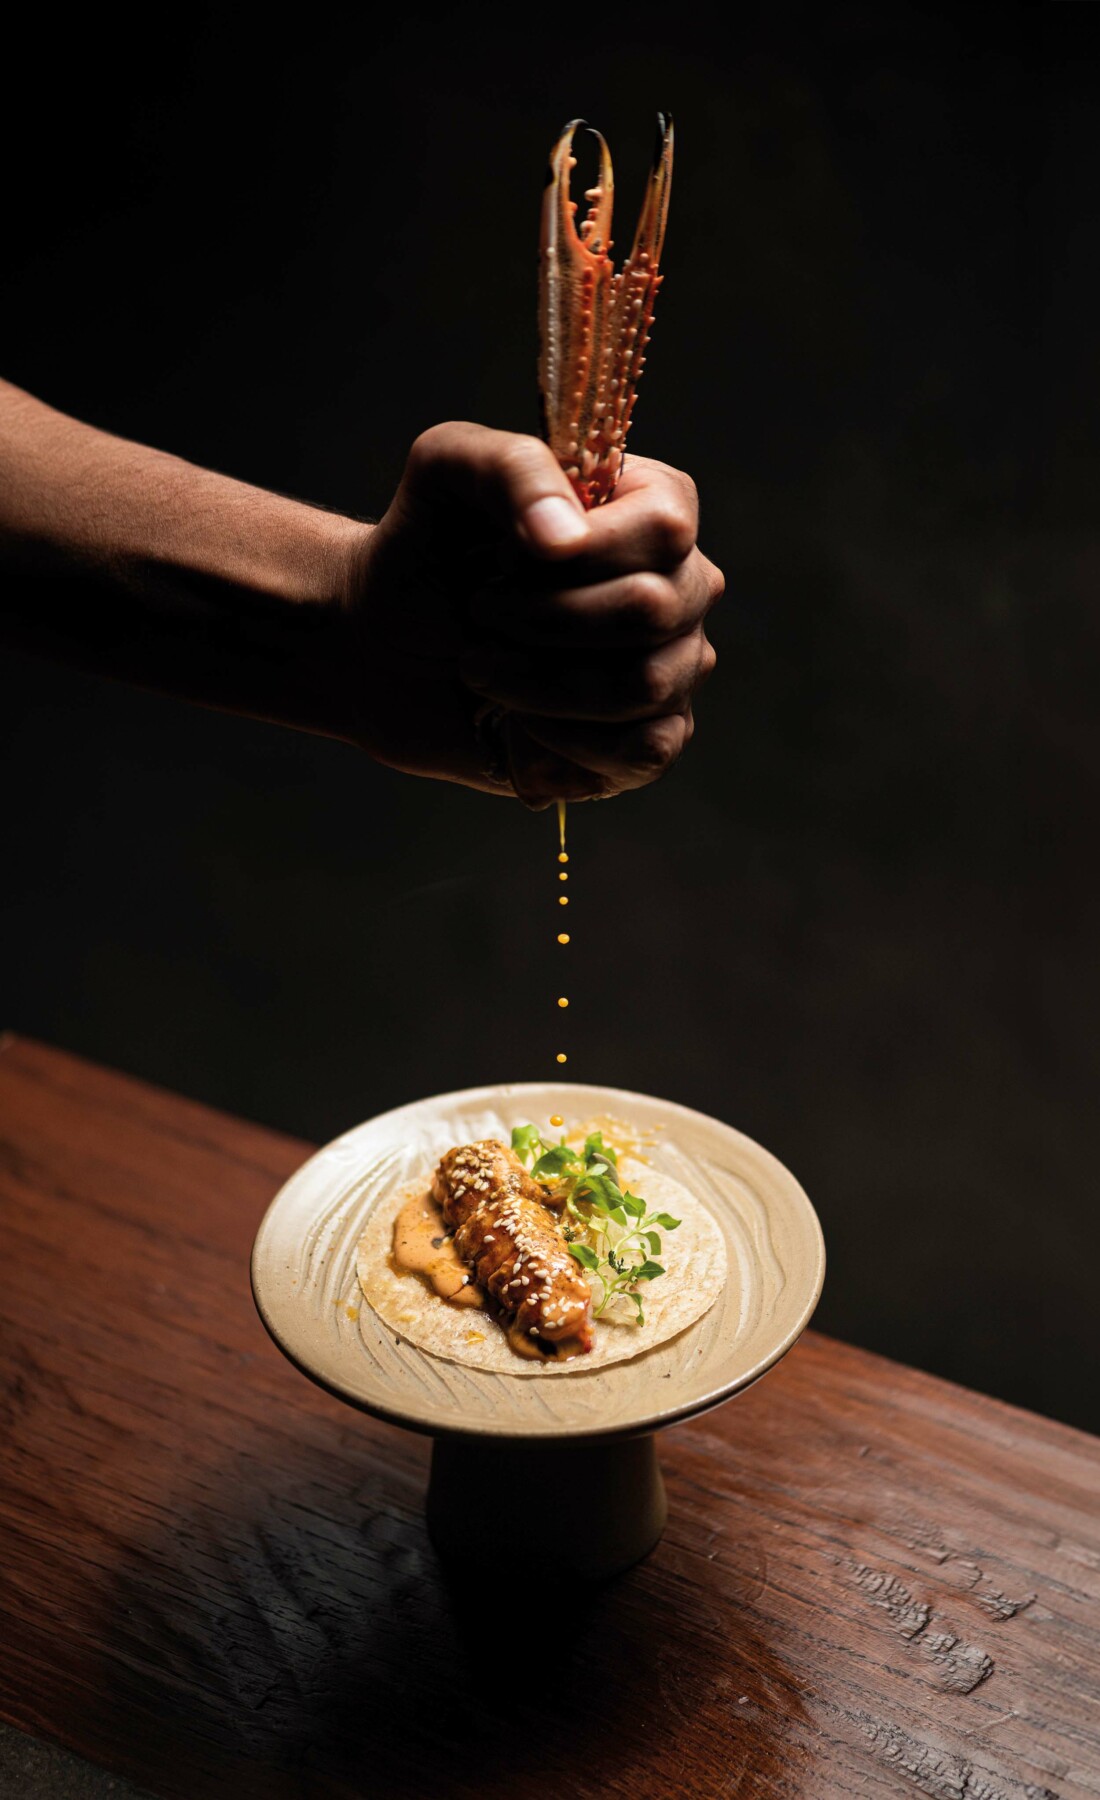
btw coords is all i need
(421, 454)
(716, 583)
(515, 456)
(429, 445)
(674, 527)
(690, 491)
(658, 744)
(658, 682)
(436, 450)
(679, 483)
(652, 604)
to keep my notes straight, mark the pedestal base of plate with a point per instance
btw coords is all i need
(587, 1509)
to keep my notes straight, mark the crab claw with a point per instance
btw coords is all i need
(594, 324)
(574, 299)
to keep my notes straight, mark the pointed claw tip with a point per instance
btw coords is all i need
(564, 137)
(660, 142)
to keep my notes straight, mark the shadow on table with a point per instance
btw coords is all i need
(288, 1635)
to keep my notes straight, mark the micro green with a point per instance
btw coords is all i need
(608, 1229)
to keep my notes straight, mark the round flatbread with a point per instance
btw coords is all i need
(693, 1257)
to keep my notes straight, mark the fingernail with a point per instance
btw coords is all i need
(555, 521)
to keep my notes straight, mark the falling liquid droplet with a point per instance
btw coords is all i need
(563, 876)
(563, 1001)
(562, 1056)
(563, 857)
(563, 899)
(563, 937)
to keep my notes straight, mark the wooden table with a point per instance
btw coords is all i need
(216, 1579)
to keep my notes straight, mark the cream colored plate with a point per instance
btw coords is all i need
(306, 1287)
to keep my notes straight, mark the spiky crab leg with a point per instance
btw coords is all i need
(594, 322)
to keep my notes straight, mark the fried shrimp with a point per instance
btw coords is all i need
(505, 1231)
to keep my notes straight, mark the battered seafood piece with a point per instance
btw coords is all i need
(504, 1230)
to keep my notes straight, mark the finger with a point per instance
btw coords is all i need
(513, 479)
(540, 775)
(630, 756)
(651, 523)
(599, 686)
(639, 610)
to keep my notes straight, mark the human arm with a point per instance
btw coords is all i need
(123, 560)
(409, 638)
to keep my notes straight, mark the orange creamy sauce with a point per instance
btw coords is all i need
(422, 1246)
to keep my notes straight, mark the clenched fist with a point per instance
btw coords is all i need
(513, 642)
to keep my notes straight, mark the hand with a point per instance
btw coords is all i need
(513, 642)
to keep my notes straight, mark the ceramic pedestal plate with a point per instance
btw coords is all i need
(557, 1470)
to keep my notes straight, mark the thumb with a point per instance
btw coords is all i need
(514, 477)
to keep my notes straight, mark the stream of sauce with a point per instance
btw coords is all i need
(563, 900)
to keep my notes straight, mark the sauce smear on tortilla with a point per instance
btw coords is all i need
(422, 1246)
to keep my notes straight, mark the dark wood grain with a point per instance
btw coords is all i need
(217, 1580)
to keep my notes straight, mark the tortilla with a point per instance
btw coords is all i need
(693, 1257)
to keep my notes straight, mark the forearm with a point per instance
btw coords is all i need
(121, 559)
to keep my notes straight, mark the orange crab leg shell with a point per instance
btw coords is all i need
(594, 324)
(574, 299)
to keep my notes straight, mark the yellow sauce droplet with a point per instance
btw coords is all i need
(563, 857)
(563, 899)
(563, 876)
(561, 822)
(563, 937)
(563, 1001)
(562, 1056)
(556, 1119)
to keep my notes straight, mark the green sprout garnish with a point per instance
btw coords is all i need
(607, 1228)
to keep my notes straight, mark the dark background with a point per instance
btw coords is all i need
(860, 920)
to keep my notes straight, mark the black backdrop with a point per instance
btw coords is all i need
(860, 920)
